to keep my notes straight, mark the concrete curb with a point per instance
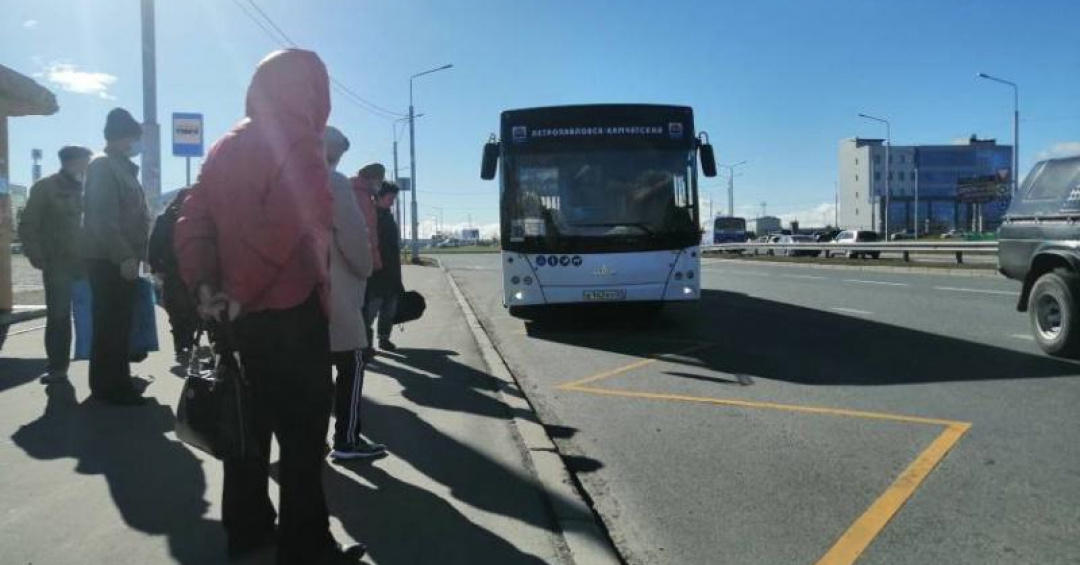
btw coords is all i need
(581, 529)
(945, 272)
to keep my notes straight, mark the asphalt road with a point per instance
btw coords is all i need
(804, 413)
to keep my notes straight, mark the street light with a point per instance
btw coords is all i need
(731, 187)
(412, 160)
(1016, 128)
(888, 172)
(397, 169)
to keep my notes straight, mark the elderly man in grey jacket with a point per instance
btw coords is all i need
(116, 228)
(351, 264)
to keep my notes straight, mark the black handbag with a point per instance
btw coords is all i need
(215, 410)
(410, 307)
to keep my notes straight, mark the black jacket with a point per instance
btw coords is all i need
(387, 280)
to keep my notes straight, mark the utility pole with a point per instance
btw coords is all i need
(888, 167)
(731, 187)
(151, 156)
(764, 205)
(412, 161)
(1016, 128)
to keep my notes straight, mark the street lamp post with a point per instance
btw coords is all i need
(397, 169)
(731, 187)
(412, 161)
(888, 165)
(1016, 128)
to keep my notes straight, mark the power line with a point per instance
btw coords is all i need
(279, 36)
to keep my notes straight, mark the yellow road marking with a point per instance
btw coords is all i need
(750, 403)
(861, 534)
(850, 546)
(630, 367)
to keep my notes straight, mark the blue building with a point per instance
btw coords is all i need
(930, 175)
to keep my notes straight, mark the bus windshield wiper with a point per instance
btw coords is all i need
(640, 226)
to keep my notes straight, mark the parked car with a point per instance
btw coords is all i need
(761, 240)
(800, 240)
(856, 236)
(954, 234)
(1039, 244)
(904, 235)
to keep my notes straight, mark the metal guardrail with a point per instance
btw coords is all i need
(905, 248)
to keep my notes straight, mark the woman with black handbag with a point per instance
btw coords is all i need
(253, 239)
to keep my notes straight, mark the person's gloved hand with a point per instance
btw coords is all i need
(213, 304)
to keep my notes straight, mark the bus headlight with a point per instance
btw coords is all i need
(519, 295)
(687, 290)
(515, 280)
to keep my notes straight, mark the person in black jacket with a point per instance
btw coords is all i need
(175, 298)
(384, 287)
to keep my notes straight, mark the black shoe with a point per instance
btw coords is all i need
(362, 449)
(242, 550)
(340, 555)
(387, 345)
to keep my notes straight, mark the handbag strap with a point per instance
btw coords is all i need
(227, 345)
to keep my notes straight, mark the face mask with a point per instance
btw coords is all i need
(136, 149)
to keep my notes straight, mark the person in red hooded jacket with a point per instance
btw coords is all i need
(253, 239)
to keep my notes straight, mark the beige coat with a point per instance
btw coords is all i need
(350, 267)
(116, 221)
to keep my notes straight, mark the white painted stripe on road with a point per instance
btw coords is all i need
(883, 283)
(976, 290)
(852, 311)
(811, 277)
(1024, 337)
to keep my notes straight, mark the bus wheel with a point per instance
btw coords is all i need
(1052, 311)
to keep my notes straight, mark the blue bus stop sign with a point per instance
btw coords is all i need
(187, 135)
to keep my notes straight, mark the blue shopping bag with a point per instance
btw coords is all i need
(144, 336)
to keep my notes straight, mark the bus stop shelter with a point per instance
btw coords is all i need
(19, 96)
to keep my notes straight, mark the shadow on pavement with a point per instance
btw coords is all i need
(18, 371)
(784, 342)
(471, 475)
(156, 484)
(403, 524)
(449, 385)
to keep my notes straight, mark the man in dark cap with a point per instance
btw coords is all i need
(49, 230)
(116, 228)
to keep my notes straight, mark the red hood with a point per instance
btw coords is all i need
(291, 84)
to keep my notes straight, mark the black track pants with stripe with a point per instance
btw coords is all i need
(349, 387)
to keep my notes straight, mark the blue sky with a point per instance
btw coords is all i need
(776, 83)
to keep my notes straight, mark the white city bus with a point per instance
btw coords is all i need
(599, 204)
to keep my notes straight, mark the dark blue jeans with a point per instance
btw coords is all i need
(384, 308)
(58, 283)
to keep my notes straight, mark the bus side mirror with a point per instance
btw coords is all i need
(708, 159)
(491, 160)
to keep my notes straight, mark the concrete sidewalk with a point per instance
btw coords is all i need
(86, 483)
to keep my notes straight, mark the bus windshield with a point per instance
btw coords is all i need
(730, 225)
(635, 194)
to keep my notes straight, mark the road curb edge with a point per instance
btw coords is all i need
(581, 529)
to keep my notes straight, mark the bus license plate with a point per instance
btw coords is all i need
(605, 295)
